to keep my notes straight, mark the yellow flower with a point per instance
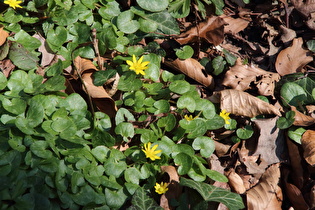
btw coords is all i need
(161, 188)
(150, 152)
(225, 116)
(137, 65)
(13, 3)
(189, 118)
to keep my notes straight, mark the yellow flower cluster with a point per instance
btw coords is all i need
(161, 188)
(13, 3)
(150, 152)
(225, 116)
(137, 65)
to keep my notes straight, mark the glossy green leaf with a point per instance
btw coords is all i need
(100, 77)
(245, 133)
(184, 163)
(216, 176)
(56, 37)
(292, 94)
(168, 122)
(218, 65)
(187, 102)
(110, 10)
(22, 58)
(162, 106)
(29, 43)
(141, 201)
(179, 86)
(132, 175)
(126, 24)
(126, 130)
(205, 145)
(295, 133)
(287, 121)
(154, 5)
(179, 8)
(115, 199)
(185, 52)
(15, 105)
(212, 193)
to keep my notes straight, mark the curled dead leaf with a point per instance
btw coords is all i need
(235, 181)
(293, 58)
(98, 94)
(308, 144)
(3, 36)
(212, 30)
(260, 196)
(193, 69)
(174, 188)
(240, 77)
(301, 119)
(234, 25)
(243, 104)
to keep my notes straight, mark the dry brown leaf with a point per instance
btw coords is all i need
(3, 36)
(296, 163)
(301, 119)
(240, 77)
(212, 30)
(293, 59)
(193, 69)
(308, 144)
(221, 149)
(287, 34)
(6, 66)
(254, 164)
(243, 104)
(295, 196)
(174, 188)
(234, 25)
(98, 94)
(259, 197)
(271, 145)
(276, 201)
(235, 181)
(47, 54)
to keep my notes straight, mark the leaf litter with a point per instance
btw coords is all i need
(271, 37)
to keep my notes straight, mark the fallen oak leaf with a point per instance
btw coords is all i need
(308, 145)
(240, 77)
(243, 104)
(259, 196)
(212, 30)
(301, 119)
(193, 69)
(293, 59)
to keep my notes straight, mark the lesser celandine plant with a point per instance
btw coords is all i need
(56, 154)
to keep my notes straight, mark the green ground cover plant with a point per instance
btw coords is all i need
(57, 154)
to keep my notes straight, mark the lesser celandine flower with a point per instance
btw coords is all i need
(161, 188)
(189, 118)
(137, 65)
(13, 3)
(150, 152)
(225, 116)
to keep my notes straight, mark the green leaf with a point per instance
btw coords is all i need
(35, 113)
(153, 70)
(162, 106)
(100, 153)
(3, 81)
(100, 77)
(22, 58)
(168, 122)
(311, 45)
(4, 50)
(16, 142)
(56, 37)
(55, 69)
(39, 148)
(166, 24)
(212, 193)
(115, 169)
(55, 83)
(216, 176)
(229, 57)
(132, 175)
(293, 94)
(153, 5)
(179, 86)
(245, 133)
(205, 145)
(29, 43)
(295, 133)
(129, 82)
(287, 121)
(206, 107)
(122, 115)
(141, 201)
(218, 65)
(147, 26)
(185, 52)
(126, 24)
(184, 163)
(110, 10)
(125, 130)
(188, 102)
(63, 17)
(115, 199)
(179, 8)
(15, 105)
